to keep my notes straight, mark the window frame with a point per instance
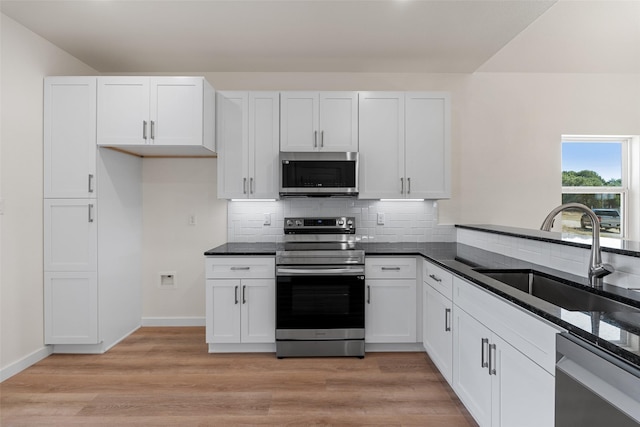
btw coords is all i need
(623, 190)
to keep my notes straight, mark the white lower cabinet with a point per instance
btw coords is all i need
(390, 314)
(241, 311)
(437, 330)
(499, 384)
(437, 336)
(71, 308)
(240, 302)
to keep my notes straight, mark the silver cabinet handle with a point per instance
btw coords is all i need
(235, 291)
(90, 183)
(244, 289)
(492, 359)
(483, 362)
(368, 294)
(315, 139)
(401, 185)
(408, 179)
(321, 139)
(90, 212)
(144, 129)
(390, 268)
(251, 185)
(244, 185)
(240, 268)
(436, 278)
(153, 130)
(447, 319)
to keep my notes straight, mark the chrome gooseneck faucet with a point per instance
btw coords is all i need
(597, 269)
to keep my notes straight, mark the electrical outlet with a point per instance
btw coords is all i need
(267, 219)
(192, 219)
(381, 218)
(168, 280)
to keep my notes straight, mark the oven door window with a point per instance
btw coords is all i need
(314, 174)
(320, 302)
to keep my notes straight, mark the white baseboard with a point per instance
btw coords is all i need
(22, 364)
(173, 321)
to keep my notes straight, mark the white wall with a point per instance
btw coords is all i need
(172, 191)
(26, 60)
(508, 154)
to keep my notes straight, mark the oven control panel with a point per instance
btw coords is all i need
(325, 225)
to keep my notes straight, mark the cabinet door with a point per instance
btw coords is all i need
(70, 308)
(427, 145)
(70, 235)
(69, 137)
(264, 143)
(233, 145)
(381, 145)
(258, 319)
(471, 380)
(123, 111)
(438, 337)
(223, 311)
(338, 121)
(522, 392)
(176, 106)
(299, 121)
(390, 311)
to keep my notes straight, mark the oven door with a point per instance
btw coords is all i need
(320, 302)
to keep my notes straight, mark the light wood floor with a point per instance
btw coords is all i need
(164, 376)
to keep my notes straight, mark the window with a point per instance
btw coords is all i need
(594, 173)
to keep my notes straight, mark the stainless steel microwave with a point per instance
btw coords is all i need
(316, 174)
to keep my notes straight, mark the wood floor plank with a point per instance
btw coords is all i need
(165, 377)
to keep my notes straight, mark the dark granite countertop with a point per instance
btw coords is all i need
(239, 249)
(607, 244)
(618, 333)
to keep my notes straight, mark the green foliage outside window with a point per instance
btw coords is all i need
(587, 178)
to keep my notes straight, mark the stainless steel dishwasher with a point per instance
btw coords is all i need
(593, 387)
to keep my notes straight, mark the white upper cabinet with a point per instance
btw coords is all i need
(381, 145)
(427, 145)
(248, 141)
(319, 121)
(404, 145)
(156, 115)
(70, 137)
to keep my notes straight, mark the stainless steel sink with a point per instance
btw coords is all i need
(555, 291)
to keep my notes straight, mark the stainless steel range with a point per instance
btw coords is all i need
(320, 289)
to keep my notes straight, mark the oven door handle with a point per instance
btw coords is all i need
(319, 271)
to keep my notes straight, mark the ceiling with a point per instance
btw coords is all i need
(447, 36)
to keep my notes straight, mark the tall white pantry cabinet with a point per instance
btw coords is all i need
(92, 225)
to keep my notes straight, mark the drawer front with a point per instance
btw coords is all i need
(526, 332)
(439, 279)
(390, 268)
(240, 267)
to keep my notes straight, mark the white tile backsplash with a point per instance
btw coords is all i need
(412, 221)
(569, 259)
